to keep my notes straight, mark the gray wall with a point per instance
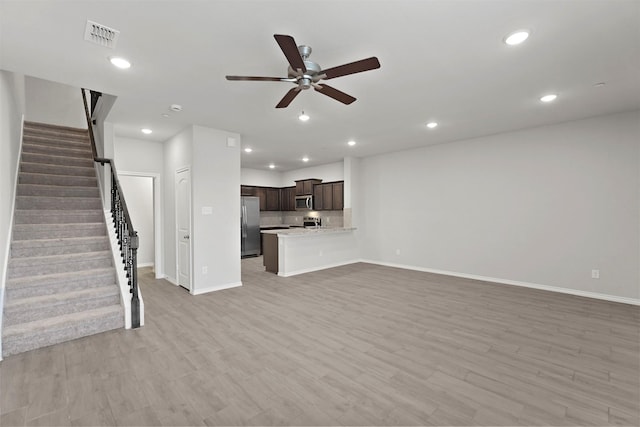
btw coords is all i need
(12, 106)
(542, 206)
(54, 103)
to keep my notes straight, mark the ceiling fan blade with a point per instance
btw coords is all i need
(334, 93)
(351, 68)
(284, 102)
(261, 79)
(290, 50)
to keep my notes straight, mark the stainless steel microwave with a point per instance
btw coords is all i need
(304, 203)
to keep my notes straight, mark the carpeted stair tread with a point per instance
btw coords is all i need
(59, 282)
(52, 231)
(79, 153)
(24, 310)
(57, 190)
(60, 180)
(43, 247)
(54, 216)
(65, 170)
(45, 332)
(49, 127)
(51, 159)
(57, 203)
(36, 266)
(58, 141)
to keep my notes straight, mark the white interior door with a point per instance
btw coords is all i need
(183, 221)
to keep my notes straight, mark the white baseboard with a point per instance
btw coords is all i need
(146, 264)
(595, 295)
(216, 288)
(322, 267)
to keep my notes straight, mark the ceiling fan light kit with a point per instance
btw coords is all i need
(305, 73)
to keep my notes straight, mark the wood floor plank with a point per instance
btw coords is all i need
(354, 345)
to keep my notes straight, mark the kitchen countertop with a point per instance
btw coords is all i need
(300, 232)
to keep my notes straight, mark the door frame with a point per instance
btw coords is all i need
(158, 243)
(175, 228)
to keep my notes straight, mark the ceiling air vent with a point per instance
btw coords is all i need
(100, 34)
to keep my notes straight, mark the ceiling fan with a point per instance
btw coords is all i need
(305, 73)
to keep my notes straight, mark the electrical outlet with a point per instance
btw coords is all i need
(595, 274)
(320, 253)
(397, 251)
(205, 270)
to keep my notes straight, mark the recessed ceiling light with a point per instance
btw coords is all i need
(549, 98)
(305, 159)
(599, 84)
(120, 62)
(351, 143)
(272, 166)
(175, 107)
(248, 150)
(165, 115)
(146, 131)
(516, 37)
(431, 125)
(303, 117)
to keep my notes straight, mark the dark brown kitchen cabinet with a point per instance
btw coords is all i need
(247, 190)
(338, 195)
(288, 199)
(318, 199)
(305, 186)
(269, 196)
(329, 196)
(262, 194)
(272, 199)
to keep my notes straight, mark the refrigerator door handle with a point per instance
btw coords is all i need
(244, 221)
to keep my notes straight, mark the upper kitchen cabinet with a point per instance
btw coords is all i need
(338, 195)
(269, 196)
(329, 196)
(247, 190)
(305, 187)
(288, 199)
(272, 199)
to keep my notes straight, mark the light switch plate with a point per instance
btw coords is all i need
(207, 210)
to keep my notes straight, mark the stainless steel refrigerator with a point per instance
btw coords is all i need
(250, 226)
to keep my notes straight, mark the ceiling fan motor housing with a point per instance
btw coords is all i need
(307, 78)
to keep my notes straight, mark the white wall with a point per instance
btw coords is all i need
(54, 103)
(327, 173)
(138, 194)
(12, 107)
(177, 154)
(260, 178)
(137, 155)
(542, 206)
(215, 179)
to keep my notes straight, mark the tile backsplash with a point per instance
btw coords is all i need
(329, 218)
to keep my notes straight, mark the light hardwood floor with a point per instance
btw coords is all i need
(354, 345)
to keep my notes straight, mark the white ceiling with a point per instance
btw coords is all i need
(441, 60)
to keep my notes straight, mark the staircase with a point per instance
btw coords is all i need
(61, 282)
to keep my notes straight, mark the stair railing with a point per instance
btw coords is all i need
(127, 236)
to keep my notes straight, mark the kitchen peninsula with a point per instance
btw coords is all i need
(295, 251)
